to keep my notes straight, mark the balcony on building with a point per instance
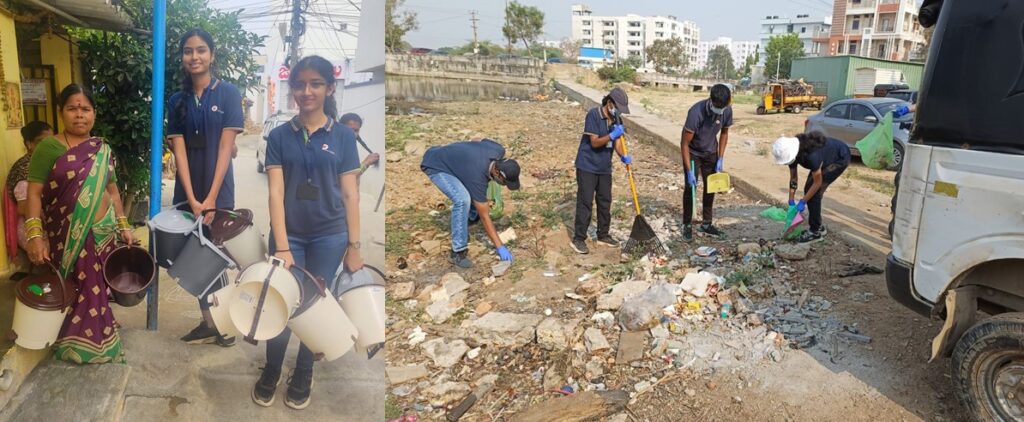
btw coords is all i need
(860, 7)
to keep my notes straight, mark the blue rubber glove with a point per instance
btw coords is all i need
(718, 166)
(800, 206)
(691, 178)
(900, 111)
(504, 254)
(626, 159)
(616, 132)
(792, 203)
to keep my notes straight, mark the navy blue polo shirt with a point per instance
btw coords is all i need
(590, 159)
(706, 125)
(469, 161)
(834, 151)
(331, 152)
(219, 108)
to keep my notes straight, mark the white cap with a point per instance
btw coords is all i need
(784, 150)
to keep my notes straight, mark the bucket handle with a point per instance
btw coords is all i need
(56, 271)
(251, 336)
(321, 288)
(226, 211)
(203, 241)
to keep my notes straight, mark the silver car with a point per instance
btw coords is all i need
(851, 120)
(261, 147)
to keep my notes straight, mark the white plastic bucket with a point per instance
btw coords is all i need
(220, 309)
(283, 297)
(321, 323)
(235, 232)
(362, 299)
(41, 304)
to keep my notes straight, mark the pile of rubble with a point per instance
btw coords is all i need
(667, 316)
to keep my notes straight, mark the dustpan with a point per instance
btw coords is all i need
(719, 182)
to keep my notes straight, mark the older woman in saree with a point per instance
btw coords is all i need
(74, 214)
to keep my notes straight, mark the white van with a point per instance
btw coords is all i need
(958, 229)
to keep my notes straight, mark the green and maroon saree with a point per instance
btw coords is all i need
(71, 199)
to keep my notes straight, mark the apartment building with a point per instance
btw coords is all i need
(813, 32)
(629, 35)
(880, 29)
(740, 51)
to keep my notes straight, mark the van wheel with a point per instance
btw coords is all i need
(760, 110)
(897, 156)
(988, 368)
(797, 109)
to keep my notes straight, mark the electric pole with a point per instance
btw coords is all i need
(295, 33)
(778, 64)
(474, 19)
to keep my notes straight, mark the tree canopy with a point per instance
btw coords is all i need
(396, 25)
(720, 63)
(668, 55)
(522, 23)
(779, 54)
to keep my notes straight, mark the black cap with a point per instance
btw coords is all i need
(621, 100)
(510, 171)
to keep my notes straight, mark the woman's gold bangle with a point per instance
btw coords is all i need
(35, 236)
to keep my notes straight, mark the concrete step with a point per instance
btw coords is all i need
(59, 391)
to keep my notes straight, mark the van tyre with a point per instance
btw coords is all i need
(898, 154)
(796, 109)
(760, 110)
(988, 369)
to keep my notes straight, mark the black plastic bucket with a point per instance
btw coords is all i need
(128, 271)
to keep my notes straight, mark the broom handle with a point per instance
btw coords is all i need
(629, 171)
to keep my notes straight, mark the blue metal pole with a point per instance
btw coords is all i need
(156, 141)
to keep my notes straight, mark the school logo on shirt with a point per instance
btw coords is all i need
(324, 148)
(214, 109)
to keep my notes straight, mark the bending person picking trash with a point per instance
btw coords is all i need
(594, 168)
(826, 158)
(461, 171)
(703, 149)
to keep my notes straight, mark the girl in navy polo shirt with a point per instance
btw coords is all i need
(203, 120)
(313, 170)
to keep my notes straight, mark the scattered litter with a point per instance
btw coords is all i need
(697, 283)
(706, 251)
(500, 268)
(417, 336)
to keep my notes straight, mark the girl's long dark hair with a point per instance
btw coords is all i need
(180, 109)
(809, 142)
(326, 71)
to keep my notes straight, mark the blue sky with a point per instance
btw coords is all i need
(447, 23)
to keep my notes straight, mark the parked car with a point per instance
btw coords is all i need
(957, 233)
(882, 89)
(908, 95)
(851, 120)
(261, 146)
(555, 60)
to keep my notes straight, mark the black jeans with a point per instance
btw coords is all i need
(703, 167)
(587, 184)
(829, 174)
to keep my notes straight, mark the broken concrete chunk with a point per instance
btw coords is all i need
(443, 353)
(431, 247)
(603, 319)
(631, 347)
(446, 392)
(595, 340)
(502, 329)
(555, 333)
(402, 374)
(453, 284)
(402, 291)
(793, 252)
(746, 248)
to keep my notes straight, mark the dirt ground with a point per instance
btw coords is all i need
(886, 379)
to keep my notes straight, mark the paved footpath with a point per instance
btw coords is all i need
(755, 176)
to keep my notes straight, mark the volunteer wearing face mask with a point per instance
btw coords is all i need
(826, 158)
(594, 168)
(702, 144)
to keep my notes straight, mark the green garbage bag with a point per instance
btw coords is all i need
(790, 215)
(494, 197)
(876, 148)
(774, 213)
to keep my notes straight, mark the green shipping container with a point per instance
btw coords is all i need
(842, 77)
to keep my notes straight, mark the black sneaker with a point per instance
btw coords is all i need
(300, 384)
(580, 246)
(460, 259)
(687, 232)
(709, 230)
(266, 387)
(811, 236)
(224, 341)
(202, 334)
(608, 240)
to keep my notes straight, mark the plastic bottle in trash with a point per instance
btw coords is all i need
(726, 307)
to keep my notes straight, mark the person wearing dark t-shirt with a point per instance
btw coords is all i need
(826, 158)
(461, 171)
(705, 135)
(594, 168)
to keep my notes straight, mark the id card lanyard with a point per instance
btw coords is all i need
(305, 157)
(198, 116)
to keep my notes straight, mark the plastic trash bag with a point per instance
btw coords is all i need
(876, 148)
(790, 216)
(774, 213)
(494, 197)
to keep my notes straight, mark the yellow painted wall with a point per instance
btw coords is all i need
(55, 51)
(11, 137)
